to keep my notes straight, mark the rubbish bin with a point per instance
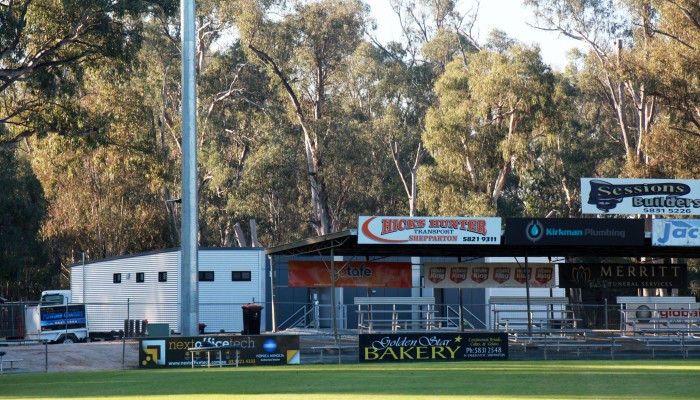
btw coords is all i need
(251, 319)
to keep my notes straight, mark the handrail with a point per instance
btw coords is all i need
(303, 316)
(464, 308)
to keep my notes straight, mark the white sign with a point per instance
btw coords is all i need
(429, 230)
(675, 232)
(664, 316)
(640, 196)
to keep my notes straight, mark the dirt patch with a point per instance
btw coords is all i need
(91, 356)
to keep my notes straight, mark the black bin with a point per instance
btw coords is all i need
(251, 319)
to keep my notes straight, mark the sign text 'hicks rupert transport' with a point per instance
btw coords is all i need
(429, 230)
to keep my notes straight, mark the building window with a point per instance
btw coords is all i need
(240, 276)
(117, 278)
(140, 277)
(163, 276)
(206, 276)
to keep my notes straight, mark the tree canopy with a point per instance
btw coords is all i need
(307, 119)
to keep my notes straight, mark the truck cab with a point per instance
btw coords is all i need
(56, 297)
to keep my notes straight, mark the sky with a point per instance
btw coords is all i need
(509, 16)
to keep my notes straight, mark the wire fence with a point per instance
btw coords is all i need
(540, 332)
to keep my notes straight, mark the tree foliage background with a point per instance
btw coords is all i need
(306, 120)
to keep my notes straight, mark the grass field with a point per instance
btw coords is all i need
(648, 379)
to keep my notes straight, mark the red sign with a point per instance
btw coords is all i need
(544, 275)
(437, 274)
(480, 274)
(350, 274)
(521, 276)
(458, 274)
(501, 274)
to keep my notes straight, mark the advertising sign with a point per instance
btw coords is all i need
(640, 196)
(661, 315)
(255, 350)
(350, 274)
(675, 232)
(492, 275)
(62, 317)
(574, 231)
(433, 347)
(582, 275)
(429, 230)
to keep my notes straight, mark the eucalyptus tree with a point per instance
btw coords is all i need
(249, 160)
(45, 48)
(306, 52)
(672, 31)
(615, 62)
(104, 190)
(24, 271)
(433, 32)
(492, 112)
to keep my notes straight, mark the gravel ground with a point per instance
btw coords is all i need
(91, 356)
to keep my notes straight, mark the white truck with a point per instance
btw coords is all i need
(55, 319)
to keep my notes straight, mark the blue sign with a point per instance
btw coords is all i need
(574, 231)
(62, 317)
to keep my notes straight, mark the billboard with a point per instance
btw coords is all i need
(430, 346)
(62, 317)
(492, 275)
(578, 231)
(429, 230)
(640, 196)
(612, 275)
(666, 315)
(675, 232)
(350, 274)
(255, 350)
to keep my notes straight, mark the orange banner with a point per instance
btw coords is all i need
(350, 274)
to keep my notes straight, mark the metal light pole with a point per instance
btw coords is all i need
(189, 295)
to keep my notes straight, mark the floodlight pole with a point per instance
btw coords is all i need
(189, 294)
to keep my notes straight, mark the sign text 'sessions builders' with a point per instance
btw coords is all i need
(640, 196)
(430, 346)
(675, 232)
(605, 275)
(574, 231)
(429, 230)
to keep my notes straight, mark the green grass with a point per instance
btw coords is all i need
(649, 379)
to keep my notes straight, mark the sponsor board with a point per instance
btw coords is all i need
(675, 232)
(640, 196)
(429, 230)
(492, 275)
(350, 274)
(664, 316)
(433, 347)
(255, 350)
(578, 231)
(584, 275)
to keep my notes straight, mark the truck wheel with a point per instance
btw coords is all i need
(70, 338)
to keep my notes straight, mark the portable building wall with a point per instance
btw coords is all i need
(146, 287)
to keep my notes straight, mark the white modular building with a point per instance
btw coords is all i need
(146, 286)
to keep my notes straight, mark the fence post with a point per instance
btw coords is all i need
(606, 314)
